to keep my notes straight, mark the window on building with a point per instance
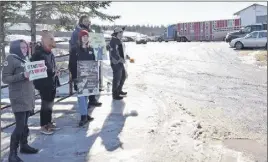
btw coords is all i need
(261, 19)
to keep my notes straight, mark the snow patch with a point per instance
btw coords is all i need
(25, 26)
(28, 38)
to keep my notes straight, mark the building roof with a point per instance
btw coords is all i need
(255, 4)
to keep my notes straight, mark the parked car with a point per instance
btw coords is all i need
(124, 39)
(153, 39)
(160, 38)
(141, 40)
(256, 39)
(129, 39)
(244, 31)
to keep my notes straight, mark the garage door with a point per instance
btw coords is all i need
(261, 19)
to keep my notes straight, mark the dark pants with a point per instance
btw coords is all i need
(47, 102)
(119, 77)
(21, 131)
(91, 98)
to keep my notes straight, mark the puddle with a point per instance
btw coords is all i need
(248, 146)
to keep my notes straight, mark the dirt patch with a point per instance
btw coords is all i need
(259, 56)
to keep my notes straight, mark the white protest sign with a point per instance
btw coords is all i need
(37, 70)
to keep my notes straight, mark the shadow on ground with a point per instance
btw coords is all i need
(35, 139)
(71, 143)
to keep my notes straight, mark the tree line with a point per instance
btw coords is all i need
(65, 12)
(144, 29)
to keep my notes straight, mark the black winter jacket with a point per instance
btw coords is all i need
(48, 57)
(116, 51)
(78, 54)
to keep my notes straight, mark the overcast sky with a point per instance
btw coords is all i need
(157, 13)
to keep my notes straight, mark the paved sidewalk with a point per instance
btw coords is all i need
(74, 144)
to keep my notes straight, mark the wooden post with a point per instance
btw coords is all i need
(100, 76)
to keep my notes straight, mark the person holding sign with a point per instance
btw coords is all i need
(84, 23)
(21, 95)
(81, 52)
(46, 86)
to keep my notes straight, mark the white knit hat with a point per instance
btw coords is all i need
(117, 30)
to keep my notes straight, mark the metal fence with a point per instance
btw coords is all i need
(59, 100)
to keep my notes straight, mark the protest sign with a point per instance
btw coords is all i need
(88, 78)
(37, 70)
(97, 42)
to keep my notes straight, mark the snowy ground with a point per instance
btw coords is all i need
(187, 102)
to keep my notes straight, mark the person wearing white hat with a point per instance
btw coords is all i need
(117, 58)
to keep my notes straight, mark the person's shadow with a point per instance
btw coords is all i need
(113, 126)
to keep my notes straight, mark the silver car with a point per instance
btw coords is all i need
(256, 39)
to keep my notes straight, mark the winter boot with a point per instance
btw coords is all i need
(83, 121)
(94, 103)
(13, 155)
(117, 97)
(122, 93)
(24, 147)
(89, 118)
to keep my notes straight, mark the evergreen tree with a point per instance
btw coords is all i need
(8, 13)
(66, 12)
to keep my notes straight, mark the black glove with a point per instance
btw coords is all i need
(75, 87)
(31, 112)
(108, 47)
(57, 80)
(75, 84)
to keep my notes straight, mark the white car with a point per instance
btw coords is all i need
(256, 39)
(141, 40)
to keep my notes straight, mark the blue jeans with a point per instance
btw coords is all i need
(82, 105)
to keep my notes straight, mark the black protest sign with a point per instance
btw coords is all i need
(88, 78)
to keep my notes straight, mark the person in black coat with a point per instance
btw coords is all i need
(81, 52)
(46, 86)
(117, 58)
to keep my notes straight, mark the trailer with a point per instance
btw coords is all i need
(215, 30)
